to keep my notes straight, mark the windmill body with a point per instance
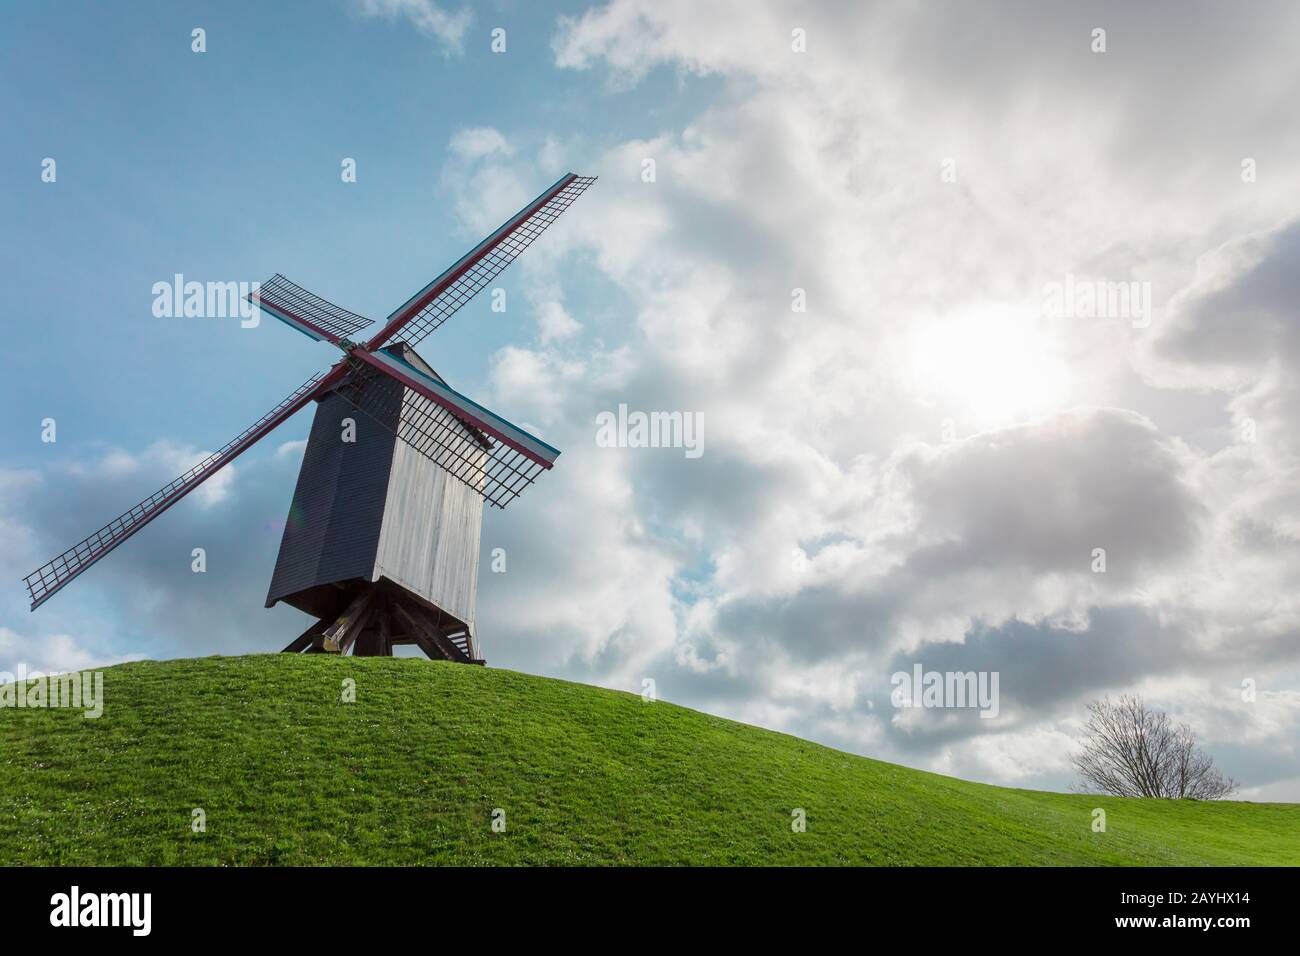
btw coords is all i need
(371, 514)
(382, 542)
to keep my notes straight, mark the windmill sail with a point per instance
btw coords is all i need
(443, 297)
(307, 312)
(472, 444)
(479, 448)
(50, 577)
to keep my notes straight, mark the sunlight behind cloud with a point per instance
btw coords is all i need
(989, 365)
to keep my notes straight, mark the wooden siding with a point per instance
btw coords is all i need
(430, 539)
(332, 532)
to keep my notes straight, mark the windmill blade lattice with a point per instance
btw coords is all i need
(443, 297)
(50, 577)
(308, 312)
(492, 468)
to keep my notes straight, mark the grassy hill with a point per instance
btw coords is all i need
(412, 771)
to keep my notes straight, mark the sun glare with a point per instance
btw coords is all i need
(988, 366)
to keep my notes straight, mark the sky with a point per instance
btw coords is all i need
(864, 261)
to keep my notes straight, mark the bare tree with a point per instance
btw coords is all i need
(1130, 750)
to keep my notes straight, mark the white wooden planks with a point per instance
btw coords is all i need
(429, 542)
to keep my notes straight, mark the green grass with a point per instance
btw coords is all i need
(411, 772)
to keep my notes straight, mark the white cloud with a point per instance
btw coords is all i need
(426, 16)
(166, 457)
(291, 449)
(946, 455)
(145, 597)
(478, 142)
(555, 323)
(536, 381)
(161, 462)
(54, 653)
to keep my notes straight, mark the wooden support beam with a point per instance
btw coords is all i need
(357, 628)
(380, 617)
(385, 631)
(426, 644)
(305, 639)
(439, 631)
(426, 634)
(458, 636)
(367, 643)
(340, 635)
(368, 639)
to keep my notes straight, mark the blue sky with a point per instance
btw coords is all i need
(918, 468)
(226, 164)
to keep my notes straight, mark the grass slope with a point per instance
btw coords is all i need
(411, 772)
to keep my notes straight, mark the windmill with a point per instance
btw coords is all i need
(382, 542)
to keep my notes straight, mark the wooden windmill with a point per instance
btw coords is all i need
(382, 542)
